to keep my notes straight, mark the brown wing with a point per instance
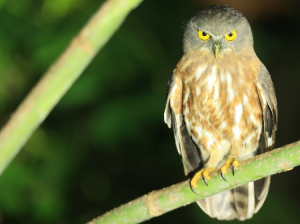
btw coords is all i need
(266, 93)
(173, 118)
(268, 102)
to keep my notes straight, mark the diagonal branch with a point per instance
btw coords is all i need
(159, 202)
(60, 77)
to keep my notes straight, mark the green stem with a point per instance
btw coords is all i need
(159, 202)
(60, 76)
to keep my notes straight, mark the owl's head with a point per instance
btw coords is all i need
(218, 29)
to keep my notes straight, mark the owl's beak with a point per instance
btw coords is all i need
(217, 45)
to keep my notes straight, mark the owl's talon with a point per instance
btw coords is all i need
(232, 161)
(205, 181)
(204, 174)
(222, 174)
(235, 164)
(193, 189)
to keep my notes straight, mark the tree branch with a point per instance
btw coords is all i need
(60, 76)
(159, 202)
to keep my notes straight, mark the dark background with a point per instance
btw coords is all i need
(106, 143)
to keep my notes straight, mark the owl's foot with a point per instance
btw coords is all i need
(232, 161)
(203, 173)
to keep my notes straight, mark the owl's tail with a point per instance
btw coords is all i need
(238, 203)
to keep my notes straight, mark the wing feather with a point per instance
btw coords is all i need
(266, 92)
(174, 118)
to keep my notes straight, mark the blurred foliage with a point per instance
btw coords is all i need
(106, 143)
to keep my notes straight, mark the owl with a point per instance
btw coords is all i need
(222, 107)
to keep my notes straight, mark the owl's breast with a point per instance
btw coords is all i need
(222, 107)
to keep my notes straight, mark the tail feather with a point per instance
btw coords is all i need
(220, 206)
(244, 200)
(261, 195)
(238, 203)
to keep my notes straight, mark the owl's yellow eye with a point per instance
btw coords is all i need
(203, 36)
(231, 36)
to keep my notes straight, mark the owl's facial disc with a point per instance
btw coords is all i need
(218, 31)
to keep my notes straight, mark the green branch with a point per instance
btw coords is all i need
(159, 202)
(60, 77)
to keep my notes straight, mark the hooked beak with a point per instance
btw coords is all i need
(217, 45)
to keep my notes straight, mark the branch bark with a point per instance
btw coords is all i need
(60, 76)
(159, 202)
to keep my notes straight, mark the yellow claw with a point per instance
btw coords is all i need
(234, 162)
(203, 173)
